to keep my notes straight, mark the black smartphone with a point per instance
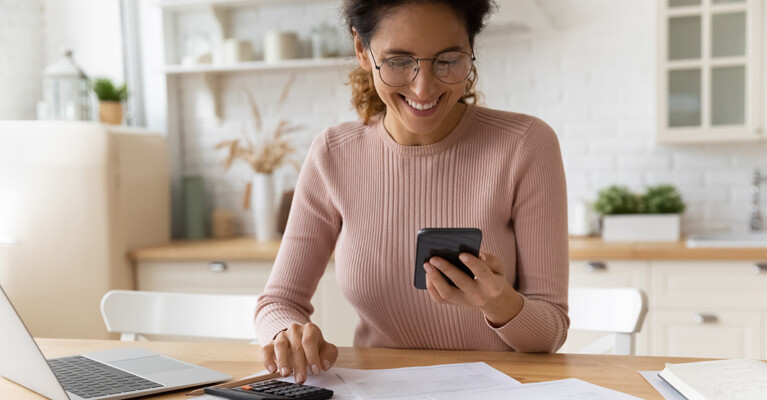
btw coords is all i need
(447, 243)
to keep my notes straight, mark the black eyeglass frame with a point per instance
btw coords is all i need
(418, 66)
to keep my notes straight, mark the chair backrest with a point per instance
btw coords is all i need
(135, 313)
(618, 311)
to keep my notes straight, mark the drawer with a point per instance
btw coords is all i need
(731, 284)
(704, 332)
(605, 273)
(203, 277)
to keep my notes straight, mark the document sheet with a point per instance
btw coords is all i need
(449, 382)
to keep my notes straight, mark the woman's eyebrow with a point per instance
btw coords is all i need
(410, 53)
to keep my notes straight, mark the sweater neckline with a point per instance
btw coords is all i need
(428, 149)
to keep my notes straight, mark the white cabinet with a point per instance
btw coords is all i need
(333, 314)
(709, 70)
(707, 309)
(705, 332)
(696, 308)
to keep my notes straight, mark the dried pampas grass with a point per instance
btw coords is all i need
(263, 154)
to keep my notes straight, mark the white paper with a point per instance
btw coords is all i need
(570, 389)
(448, 381)
(455, 380)
(661, 386)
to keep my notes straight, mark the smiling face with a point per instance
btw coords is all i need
(426, 110)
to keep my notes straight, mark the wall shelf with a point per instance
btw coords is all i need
(181, 5)
(297, 64)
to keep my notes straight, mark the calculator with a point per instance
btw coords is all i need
(273, 390)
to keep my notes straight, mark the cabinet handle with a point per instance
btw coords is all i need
(759, 268)
(703, 318)
(594, 266)
(217, 266)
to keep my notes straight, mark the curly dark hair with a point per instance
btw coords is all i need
(363, 16)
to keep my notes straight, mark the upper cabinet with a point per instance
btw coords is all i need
(709, 70)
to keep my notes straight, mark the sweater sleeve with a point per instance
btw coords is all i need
(539, 218)
(310, 236)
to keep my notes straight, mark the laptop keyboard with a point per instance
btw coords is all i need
(87, 378)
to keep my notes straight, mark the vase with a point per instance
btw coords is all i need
(263, 207)
(111, 112)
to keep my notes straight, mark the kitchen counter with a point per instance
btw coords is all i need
(591, 248)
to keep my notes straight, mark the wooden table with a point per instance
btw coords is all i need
(239, 360)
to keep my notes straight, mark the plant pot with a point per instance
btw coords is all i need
(111, 112)
(640, 228)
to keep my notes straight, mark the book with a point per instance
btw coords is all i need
(738, 379)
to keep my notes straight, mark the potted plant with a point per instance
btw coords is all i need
(110, 100)
(651, 217)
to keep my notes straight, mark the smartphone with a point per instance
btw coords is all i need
(447, 243)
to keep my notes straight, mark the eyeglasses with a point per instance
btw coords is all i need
(449, 67)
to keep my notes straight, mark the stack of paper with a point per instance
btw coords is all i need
(714, 380)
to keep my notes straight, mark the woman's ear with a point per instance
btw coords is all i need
(361, 52)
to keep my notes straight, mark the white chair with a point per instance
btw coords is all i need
(136, 313)
(617, 311)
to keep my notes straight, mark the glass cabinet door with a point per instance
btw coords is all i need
(708, 70)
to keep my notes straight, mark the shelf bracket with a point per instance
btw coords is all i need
(212, 84)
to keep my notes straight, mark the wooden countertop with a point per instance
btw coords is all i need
(581, 249)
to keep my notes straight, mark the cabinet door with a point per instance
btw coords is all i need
(333, 314)
(708, 70)
(734, 284)
(705, 332)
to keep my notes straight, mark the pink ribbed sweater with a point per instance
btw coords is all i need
(365, 196)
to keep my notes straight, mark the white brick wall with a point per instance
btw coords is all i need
(21, 58)
(591, 78)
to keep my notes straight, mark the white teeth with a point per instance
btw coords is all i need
(419, 106)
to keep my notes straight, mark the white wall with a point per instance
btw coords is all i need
(91, 28)
(21, 58)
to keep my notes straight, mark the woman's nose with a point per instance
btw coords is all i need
(424, 82)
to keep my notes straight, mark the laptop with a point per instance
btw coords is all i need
(109, 374)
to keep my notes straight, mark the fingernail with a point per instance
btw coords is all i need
(435, 261)
(427, 267)
(284, 371)
(300, 377)
(271, 368)
(464, 257)
(315, 369)
(482, 257)
(326, 364)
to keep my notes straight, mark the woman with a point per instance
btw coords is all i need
(422, 156)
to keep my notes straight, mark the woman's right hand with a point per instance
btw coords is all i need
(299, 349)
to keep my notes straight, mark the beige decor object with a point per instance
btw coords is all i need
(264, 154)
(111, 112)
(280, 46)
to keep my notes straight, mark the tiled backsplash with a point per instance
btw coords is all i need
(591, 77)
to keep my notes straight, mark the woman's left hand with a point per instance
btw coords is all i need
(489, 291)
